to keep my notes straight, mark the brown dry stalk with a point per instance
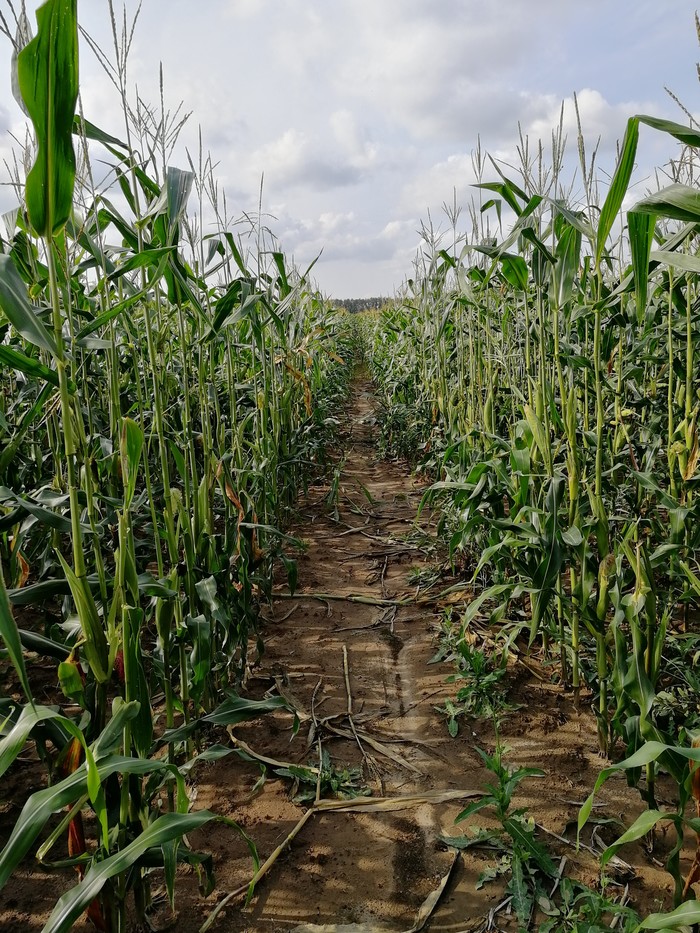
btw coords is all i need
(357, 805)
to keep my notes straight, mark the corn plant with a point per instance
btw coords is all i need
(166, 393)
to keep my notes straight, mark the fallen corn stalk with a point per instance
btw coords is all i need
(391, 804)
(373, 743)
(246, 749)
(357, 805)
(451, 594)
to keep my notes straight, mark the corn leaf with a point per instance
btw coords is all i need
(693, 579)
(644, 823)
(47, 589)
(136, 683)
(641, 233)
(539, 433)
(114, 311)
(685, 134)
(95, 645)
(168, 827)
(678, 260)
(15, 305)
(10, 636)
(680, 919)
(30, 717)
(41, 514)
(23, 36)
(32, 641)
(27, 365)
(229, 713)
(618, 186)
(567, 253)
(41, 805)
(575, 218)
(677, 202)
(650, 751)
(47, 71)
(507, 191)
(142, 260)
(514, 269)
(178, 185)
(131, 448)
(110, 739)
(81, 126)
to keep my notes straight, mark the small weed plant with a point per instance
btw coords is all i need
(535, 883)
(481, 691)
(333, 781)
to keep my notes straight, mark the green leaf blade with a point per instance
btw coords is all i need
(47, 70)
(618, 186)
(14, 303)
(10, 636)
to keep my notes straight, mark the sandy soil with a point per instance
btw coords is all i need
(373, 870)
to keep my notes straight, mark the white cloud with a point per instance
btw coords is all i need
(397, 229)
(442, 68)
(330, 223)
(599, 118)
(284, 156)
(4, 120)
(353, 139)
(245, 9)
(294, 160)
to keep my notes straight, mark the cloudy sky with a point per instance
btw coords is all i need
(363, 114)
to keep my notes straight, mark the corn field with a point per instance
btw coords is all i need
(160, 410)
(171, 384)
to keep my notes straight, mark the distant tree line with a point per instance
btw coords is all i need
(355, 305)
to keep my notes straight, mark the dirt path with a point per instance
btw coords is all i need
(372, 871)
(371, 868)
